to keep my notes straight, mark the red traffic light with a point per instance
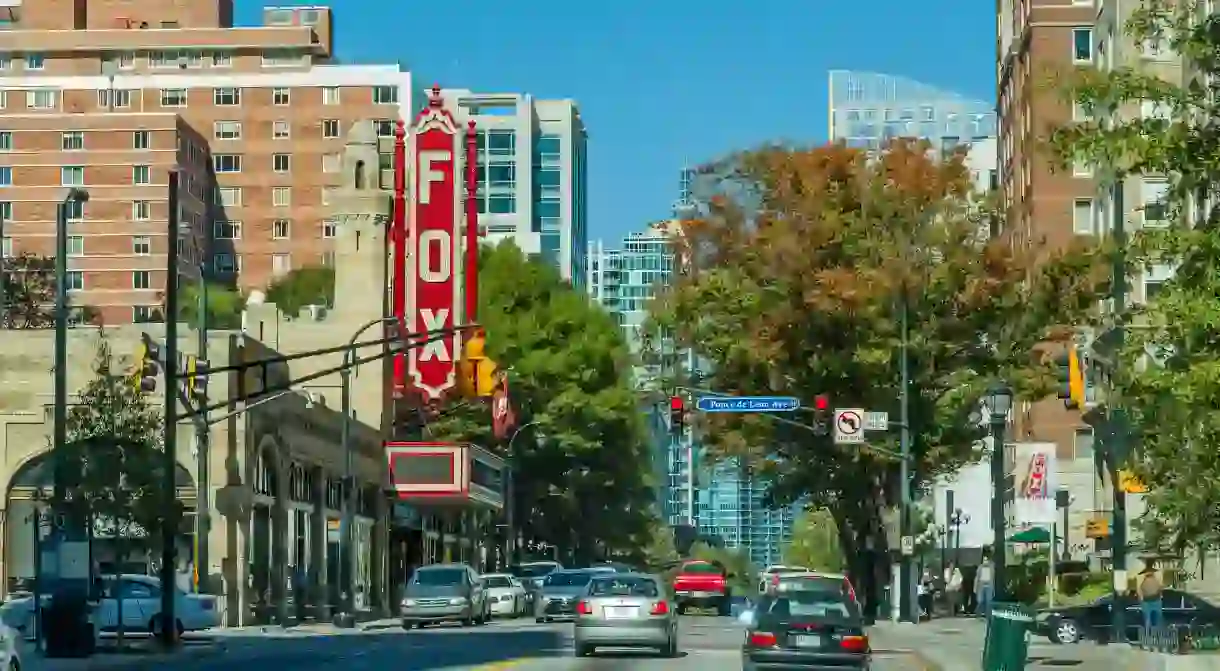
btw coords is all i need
(676, 403)
(821, 402)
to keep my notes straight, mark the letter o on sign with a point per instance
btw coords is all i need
(438, 267)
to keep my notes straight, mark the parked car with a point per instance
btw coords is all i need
(506, 595)
(703, 584)
(1092, 622)
(625, 610)
(444, 593)
(560, 591)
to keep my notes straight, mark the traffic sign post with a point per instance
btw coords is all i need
(908, 546)
(849, 425)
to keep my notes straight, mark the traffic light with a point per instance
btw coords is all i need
(478, 374)
(1072, 367)
(148, 364)
(677, 415)
(196, 377)
(821, 414)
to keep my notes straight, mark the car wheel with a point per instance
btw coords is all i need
(406, 625)
(1066, 631)
(671, 648)
(540, 620)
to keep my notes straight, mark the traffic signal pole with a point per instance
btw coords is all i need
(1116, 435)
(169, 523)
(199, 395)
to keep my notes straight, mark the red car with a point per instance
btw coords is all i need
(703, 584)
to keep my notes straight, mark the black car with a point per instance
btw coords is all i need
(560, 592)
(806, 629)
(1092, 622)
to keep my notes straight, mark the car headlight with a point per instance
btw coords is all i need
(408, 603)
(457, 601)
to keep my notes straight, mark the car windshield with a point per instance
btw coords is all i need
(439, 576)
(701, 568)
(813, 604)
(624, 586)
(497, 581)
(532, 570)
(568, 579)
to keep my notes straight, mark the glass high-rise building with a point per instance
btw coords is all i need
(867, 108)
(533, 174)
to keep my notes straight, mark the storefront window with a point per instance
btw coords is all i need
(364, 552)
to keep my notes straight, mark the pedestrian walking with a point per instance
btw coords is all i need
(927, 587)
(953, 588)
(983, 587)
(1152, 605)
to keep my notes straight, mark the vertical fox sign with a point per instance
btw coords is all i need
(434, 287)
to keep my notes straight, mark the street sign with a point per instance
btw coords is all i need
(849, 425)
(876, 421)
(748, 404)
(908, 546)
(434, 263)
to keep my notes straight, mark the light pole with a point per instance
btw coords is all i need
(956, 522)
(3, 276)
(510, 495)
(346, 617)
(75, 196)
(999, 403)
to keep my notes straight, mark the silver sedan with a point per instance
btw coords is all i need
(626, 610)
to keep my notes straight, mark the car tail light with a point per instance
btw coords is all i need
(583, 608)
(854, 643)
(659, 608)
(762, 639)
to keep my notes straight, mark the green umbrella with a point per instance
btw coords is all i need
(1031, 535)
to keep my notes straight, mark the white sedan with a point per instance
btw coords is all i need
(141, 605)
(505, 593)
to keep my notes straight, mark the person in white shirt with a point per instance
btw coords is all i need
(953, 588)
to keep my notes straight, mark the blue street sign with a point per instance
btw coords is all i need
(748, 404)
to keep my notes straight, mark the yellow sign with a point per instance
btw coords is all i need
(1075, 377)
(1130, 484)
(1098, 527)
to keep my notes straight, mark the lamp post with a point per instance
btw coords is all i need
(999, 403)
(75, 196)
(510, 495)
(958, 520)
(39, 501)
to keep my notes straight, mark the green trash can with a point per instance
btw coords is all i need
(1007, 644)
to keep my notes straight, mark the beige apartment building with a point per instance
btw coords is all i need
(111, 95)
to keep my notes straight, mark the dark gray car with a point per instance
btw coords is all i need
(560, 592)
(444, 593)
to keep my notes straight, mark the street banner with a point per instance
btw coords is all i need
(1036, 482)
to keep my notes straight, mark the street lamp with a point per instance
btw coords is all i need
(75, 196)
(957, 520)
(510, 495)
(999, 403)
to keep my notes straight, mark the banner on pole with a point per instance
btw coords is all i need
(1036, 482)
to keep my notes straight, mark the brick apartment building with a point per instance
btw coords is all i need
(111, 95)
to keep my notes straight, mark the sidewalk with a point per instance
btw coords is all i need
(311, 629)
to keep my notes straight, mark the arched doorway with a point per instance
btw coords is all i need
(112, 549)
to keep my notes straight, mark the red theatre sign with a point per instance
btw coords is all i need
(434, 259)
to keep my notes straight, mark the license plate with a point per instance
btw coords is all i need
(701, 595)
(621, 612)
(807, 641)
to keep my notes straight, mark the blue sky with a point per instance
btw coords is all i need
(664, 83)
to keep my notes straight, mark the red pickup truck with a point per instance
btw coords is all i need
(703, 584)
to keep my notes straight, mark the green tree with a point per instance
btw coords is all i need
(815, 542)
(1167, 383)
(311, 285)
(224, 305)
(28, 297)
(659, 551)
(582, 459)
(794, 282)
(114, 460)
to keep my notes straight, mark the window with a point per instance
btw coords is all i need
(501, 204)
(1082, 217)
(330, 95)
(145, 314)
(280, 96)
(224, 264)
(385, 128)
(328, 194)
(222, 59)
(281, 196)
(280, 229)
(72, 140)
(6, 141)
(1152, 288)
(281, 264)
(1152, 196)
(226, 162)
(328, 228)
(1082, 170)
(141, 174)
(72, 175)
(76, 280)
(280, 130)
(331, 163)
(1154, 47)
(35, 62)
(229, 196)
(385, 95)
(1082, 45)
(1151, 109)
(227, 96)
(6, 63)
(141, 279)
(141, 140)
(6, 211)
(1081, 112)
(330, 128)
(109, 98)
(227, 130)
(227, 230)
(6, 248)
(281, 162)
(141, 245)
(42, 99)
(141, 210)
(76, 245)
(173, 97)
(6, 176)
(278, 17)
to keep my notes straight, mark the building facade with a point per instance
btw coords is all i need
(93, 94)
(533, 174)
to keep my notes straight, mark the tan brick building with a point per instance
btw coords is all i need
(110, 95)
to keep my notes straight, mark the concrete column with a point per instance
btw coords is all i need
(379, 590)
(279, 541)
(318, 581)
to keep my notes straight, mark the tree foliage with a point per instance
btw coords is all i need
(581, 458)
(311, 285)
(114, 456)
(794, 282)
(1167, 382)
(815, 542)
(224, 305)
(28, 299)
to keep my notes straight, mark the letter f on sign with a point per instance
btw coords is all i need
(428, 176)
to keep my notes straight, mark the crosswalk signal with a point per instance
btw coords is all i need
(677, 415)
(1071, 379)
(196, 376)
(148, 365)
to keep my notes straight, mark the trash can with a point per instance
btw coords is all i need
(1007, 643)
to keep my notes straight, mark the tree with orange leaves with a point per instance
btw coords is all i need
(792, 284)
